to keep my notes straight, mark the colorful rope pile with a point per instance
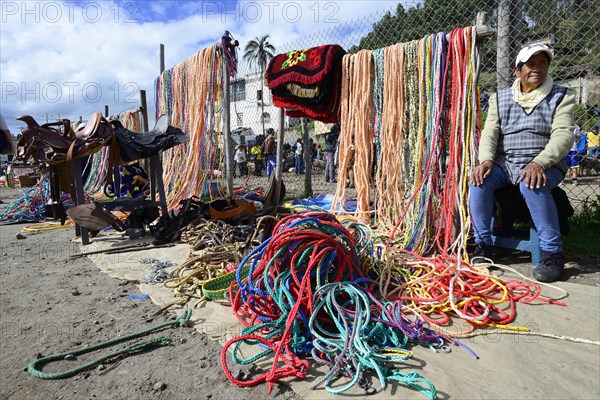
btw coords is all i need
(363, 337)
(302, 292)
(275, 297)
(32, 206)
(438, 289)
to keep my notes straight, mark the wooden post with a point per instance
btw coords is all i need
(227, 128)
(78, 182)
(509, 39)
(144, 112)
(162, 58)
(156, 171)
(307, 160)
(279, 154)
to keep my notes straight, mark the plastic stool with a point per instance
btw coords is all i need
(510, 240)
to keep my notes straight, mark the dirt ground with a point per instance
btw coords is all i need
(50, 303)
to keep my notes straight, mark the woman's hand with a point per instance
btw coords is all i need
(533, 175)
(481, 172)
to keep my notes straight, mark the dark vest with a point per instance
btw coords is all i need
(523, 136)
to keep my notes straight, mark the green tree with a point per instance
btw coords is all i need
(423, 19)
(258, 52)
(573, 24)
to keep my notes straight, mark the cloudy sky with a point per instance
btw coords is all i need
(65, 59)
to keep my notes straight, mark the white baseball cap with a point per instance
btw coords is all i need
(531, 50)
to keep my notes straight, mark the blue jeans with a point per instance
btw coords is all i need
(299, 167)
(594, 152)
(270, 160)
(540, 203)
(329, 167)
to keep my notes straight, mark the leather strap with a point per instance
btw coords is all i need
(69, 162)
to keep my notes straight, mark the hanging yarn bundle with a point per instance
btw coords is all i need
(131, 119)
(454, 225)
(191, 93)
(276, 283)
(98, 170)
(425, 96)
(356, 136)
(436, 212)
(390, 114)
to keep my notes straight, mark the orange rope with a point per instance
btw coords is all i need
(356, 136)
(196, 98)
(390, 189)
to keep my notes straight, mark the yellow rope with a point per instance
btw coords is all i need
(47, 226)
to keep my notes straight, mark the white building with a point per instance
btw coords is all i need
(246, 99)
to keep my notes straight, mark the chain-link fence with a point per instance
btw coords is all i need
(571, 27)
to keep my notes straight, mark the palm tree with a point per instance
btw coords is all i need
(258, 52)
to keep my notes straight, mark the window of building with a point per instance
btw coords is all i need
(259, 95)
(238, 90)
(240, 118)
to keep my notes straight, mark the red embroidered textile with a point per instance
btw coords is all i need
(307, 66)
(318, 68)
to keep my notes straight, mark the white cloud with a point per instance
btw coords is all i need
(70, 59)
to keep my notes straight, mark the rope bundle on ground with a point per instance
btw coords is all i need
(360, 339)
(302, 292)
(32, 206)
(275, 296)
(214, 249)
(436, 289)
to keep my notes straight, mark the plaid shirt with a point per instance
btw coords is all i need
(523, 136)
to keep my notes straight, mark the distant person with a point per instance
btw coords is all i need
(593, 139)
(257, 157)
(269, 151)
(582, 144)
(527, 134)
(331, 140)
(298, 152)
(573, 156)
(7, 145)
(240, 160)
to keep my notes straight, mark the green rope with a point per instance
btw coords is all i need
(34, 367)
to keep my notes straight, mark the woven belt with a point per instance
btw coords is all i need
(215, 289)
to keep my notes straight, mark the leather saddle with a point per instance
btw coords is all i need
(56, 142)
(138, 145)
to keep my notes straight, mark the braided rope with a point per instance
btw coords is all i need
(360, 342)
(34, 367)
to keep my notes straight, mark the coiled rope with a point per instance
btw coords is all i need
(359, 342)
(35, 367)
(275, 296)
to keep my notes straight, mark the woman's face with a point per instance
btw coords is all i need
(533, 73)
